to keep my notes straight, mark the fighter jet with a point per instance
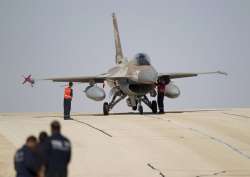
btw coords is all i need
(130, 79)
(29, 80)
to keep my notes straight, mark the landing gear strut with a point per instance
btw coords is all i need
(108, 106)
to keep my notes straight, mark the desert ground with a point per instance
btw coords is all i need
(193, 143)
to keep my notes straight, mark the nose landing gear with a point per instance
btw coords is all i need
(140, 108)
(134, 108)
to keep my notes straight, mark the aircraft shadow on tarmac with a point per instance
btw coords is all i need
(128, 113)
(150, 113)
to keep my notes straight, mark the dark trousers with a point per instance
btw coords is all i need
(67, 107)
(160, 101)
(57, 173)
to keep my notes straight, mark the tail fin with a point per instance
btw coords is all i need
(119, 55)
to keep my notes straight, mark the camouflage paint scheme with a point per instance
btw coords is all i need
(133, 78)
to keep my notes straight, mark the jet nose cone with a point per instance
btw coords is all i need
(148, 76)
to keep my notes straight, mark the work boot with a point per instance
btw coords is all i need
(161, 111)
(66, 117)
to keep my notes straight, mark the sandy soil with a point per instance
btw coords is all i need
(176, 144)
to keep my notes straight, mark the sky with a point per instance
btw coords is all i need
(75, 38)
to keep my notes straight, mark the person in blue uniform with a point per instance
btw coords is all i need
(41, 147)
(26, 160)
(58, 152)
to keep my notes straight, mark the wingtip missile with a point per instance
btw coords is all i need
(222, 72)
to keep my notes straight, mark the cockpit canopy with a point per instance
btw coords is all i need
(141, 59)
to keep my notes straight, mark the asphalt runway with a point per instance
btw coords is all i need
(192, 143)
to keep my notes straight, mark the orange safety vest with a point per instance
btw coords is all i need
(67, 93)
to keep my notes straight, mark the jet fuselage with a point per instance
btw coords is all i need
(142, 76)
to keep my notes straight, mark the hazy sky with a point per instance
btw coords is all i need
(75, 38)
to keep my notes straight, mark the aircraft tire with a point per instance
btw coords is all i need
(140, 108)
(154, 107)
(106, 108)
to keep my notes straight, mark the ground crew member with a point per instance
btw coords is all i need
(43, 138)
(68, 94)
(41, 150)
(160, 95)
(26, 160)
(58, 152)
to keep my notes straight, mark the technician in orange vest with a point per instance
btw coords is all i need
(68, 94)
(161, 86)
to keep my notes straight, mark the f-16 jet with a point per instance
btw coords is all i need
(131, 79)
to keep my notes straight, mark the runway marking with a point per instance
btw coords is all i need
(91, 126)
(47, 116)
(222, 142)
(238, 115)
(214, 174)
(153, 168)
(210, 137)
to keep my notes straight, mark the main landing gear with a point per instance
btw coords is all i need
(117, 97)
(154, 107)
(106, 108)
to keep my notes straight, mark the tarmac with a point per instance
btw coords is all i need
(194, 143)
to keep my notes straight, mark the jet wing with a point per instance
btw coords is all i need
(83, 79)
(183, 75)
(78, 79)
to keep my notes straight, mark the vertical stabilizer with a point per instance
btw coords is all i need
(118, 48)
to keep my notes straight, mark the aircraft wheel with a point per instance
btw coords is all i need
(106, 108)
(140, 108)
(134, 108)
(154, 107)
